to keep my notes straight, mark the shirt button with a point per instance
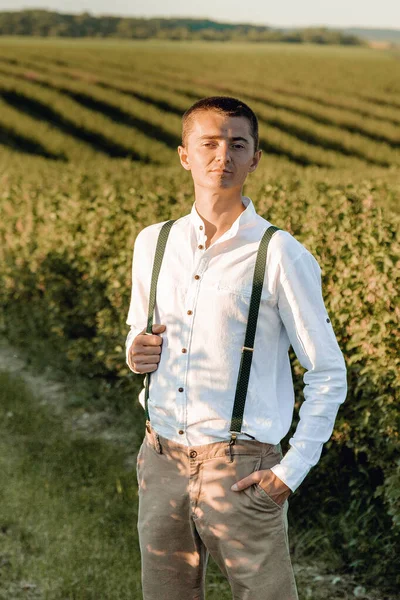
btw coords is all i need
(189, 312)
(197, 276)
(201, 227)
(200, 247)
(184, 350)
(328, 320)
(180, 389)
(181, 432)
(193, 454)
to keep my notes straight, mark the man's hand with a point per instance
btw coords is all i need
(145, 351)
(267, 479)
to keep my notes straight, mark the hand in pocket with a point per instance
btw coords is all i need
(269, 482)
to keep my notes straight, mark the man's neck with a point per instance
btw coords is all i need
(218, 214)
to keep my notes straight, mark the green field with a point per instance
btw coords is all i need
(89, 131)
(330, 107)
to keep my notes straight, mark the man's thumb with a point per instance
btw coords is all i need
(158, 328)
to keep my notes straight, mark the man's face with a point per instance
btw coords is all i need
(219, 151)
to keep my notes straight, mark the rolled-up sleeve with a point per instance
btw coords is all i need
(303, 313)
(138, 309)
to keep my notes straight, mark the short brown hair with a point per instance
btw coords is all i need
(227, 105)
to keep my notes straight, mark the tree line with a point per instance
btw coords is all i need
(43, 23)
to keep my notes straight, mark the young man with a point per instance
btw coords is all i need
(187, 465)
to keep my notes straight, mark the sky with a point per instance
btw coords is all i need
(284, 13)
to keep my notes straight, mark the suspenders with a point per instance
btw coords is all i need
(247, 348)
(159, 255)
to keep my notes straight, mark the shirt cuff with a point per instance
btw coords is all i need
(292, 469)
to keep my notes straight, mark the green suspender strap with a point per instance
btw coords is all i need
(247, 348)
(160, 248)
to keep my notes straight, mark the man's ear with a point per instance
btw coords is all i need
(183, 155)
(255, 161)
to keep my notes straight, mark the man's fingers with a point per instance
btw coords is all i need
(144, 353)
(153, 338)
(145, 358)
(245, 482)
(150, 339)
(144, 368)
(138, 349)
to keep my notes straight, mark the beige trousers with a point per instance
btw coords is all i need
(188, 511)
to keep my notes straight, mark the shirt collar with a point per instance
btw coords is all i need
(243, 219)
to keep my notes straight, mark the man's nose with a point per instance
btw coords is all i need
(223, 153)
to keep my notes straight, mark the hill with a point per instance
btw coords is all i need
(44, 23)
(375, 35)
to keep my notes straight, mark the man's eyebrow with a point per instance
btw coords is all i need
(219, 137)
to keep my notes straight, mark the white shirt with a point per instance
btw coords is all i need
(205, 322)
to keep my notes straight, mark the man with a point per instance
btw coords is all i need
(187, 465)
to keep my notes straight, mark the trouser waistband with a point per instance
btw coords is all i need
(163, 445)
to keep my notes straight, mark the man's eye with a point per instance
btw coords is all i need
(237, 146)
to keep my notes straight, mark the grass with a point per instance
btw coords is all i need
(68, 507)
(68, 503)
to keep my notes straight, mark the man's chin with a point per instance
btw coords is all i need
(215, 185)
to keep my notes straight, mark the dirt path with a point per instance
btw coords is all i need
(56, 394)
(315, 581)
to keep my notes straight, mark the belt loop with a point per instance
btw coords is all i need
(157, 442)
(278, 449)
(155, 436)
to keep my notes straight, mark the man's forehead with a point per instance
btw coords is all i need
(220, 126)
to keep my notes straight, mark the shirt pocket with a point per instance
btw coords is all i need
(243, 290)
(237, 289)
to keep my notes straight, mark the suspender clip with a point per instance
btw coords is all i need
(249, 349)
(231, 443)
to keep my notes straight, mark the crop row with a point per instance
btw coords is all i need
(344, 110)
(374, 127)
(370, 127)
(349, 103)
(272, 140)
(24, 134)
(282, 131)
(117, 105)
(286, 95)
(344, 132)
(381, 99)
(301, 128)
(278, 135)
(130, 111)
(92, 127)
(357, 83)
(278, 120)
(373, 78)
(328, 136)
(304, 127)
